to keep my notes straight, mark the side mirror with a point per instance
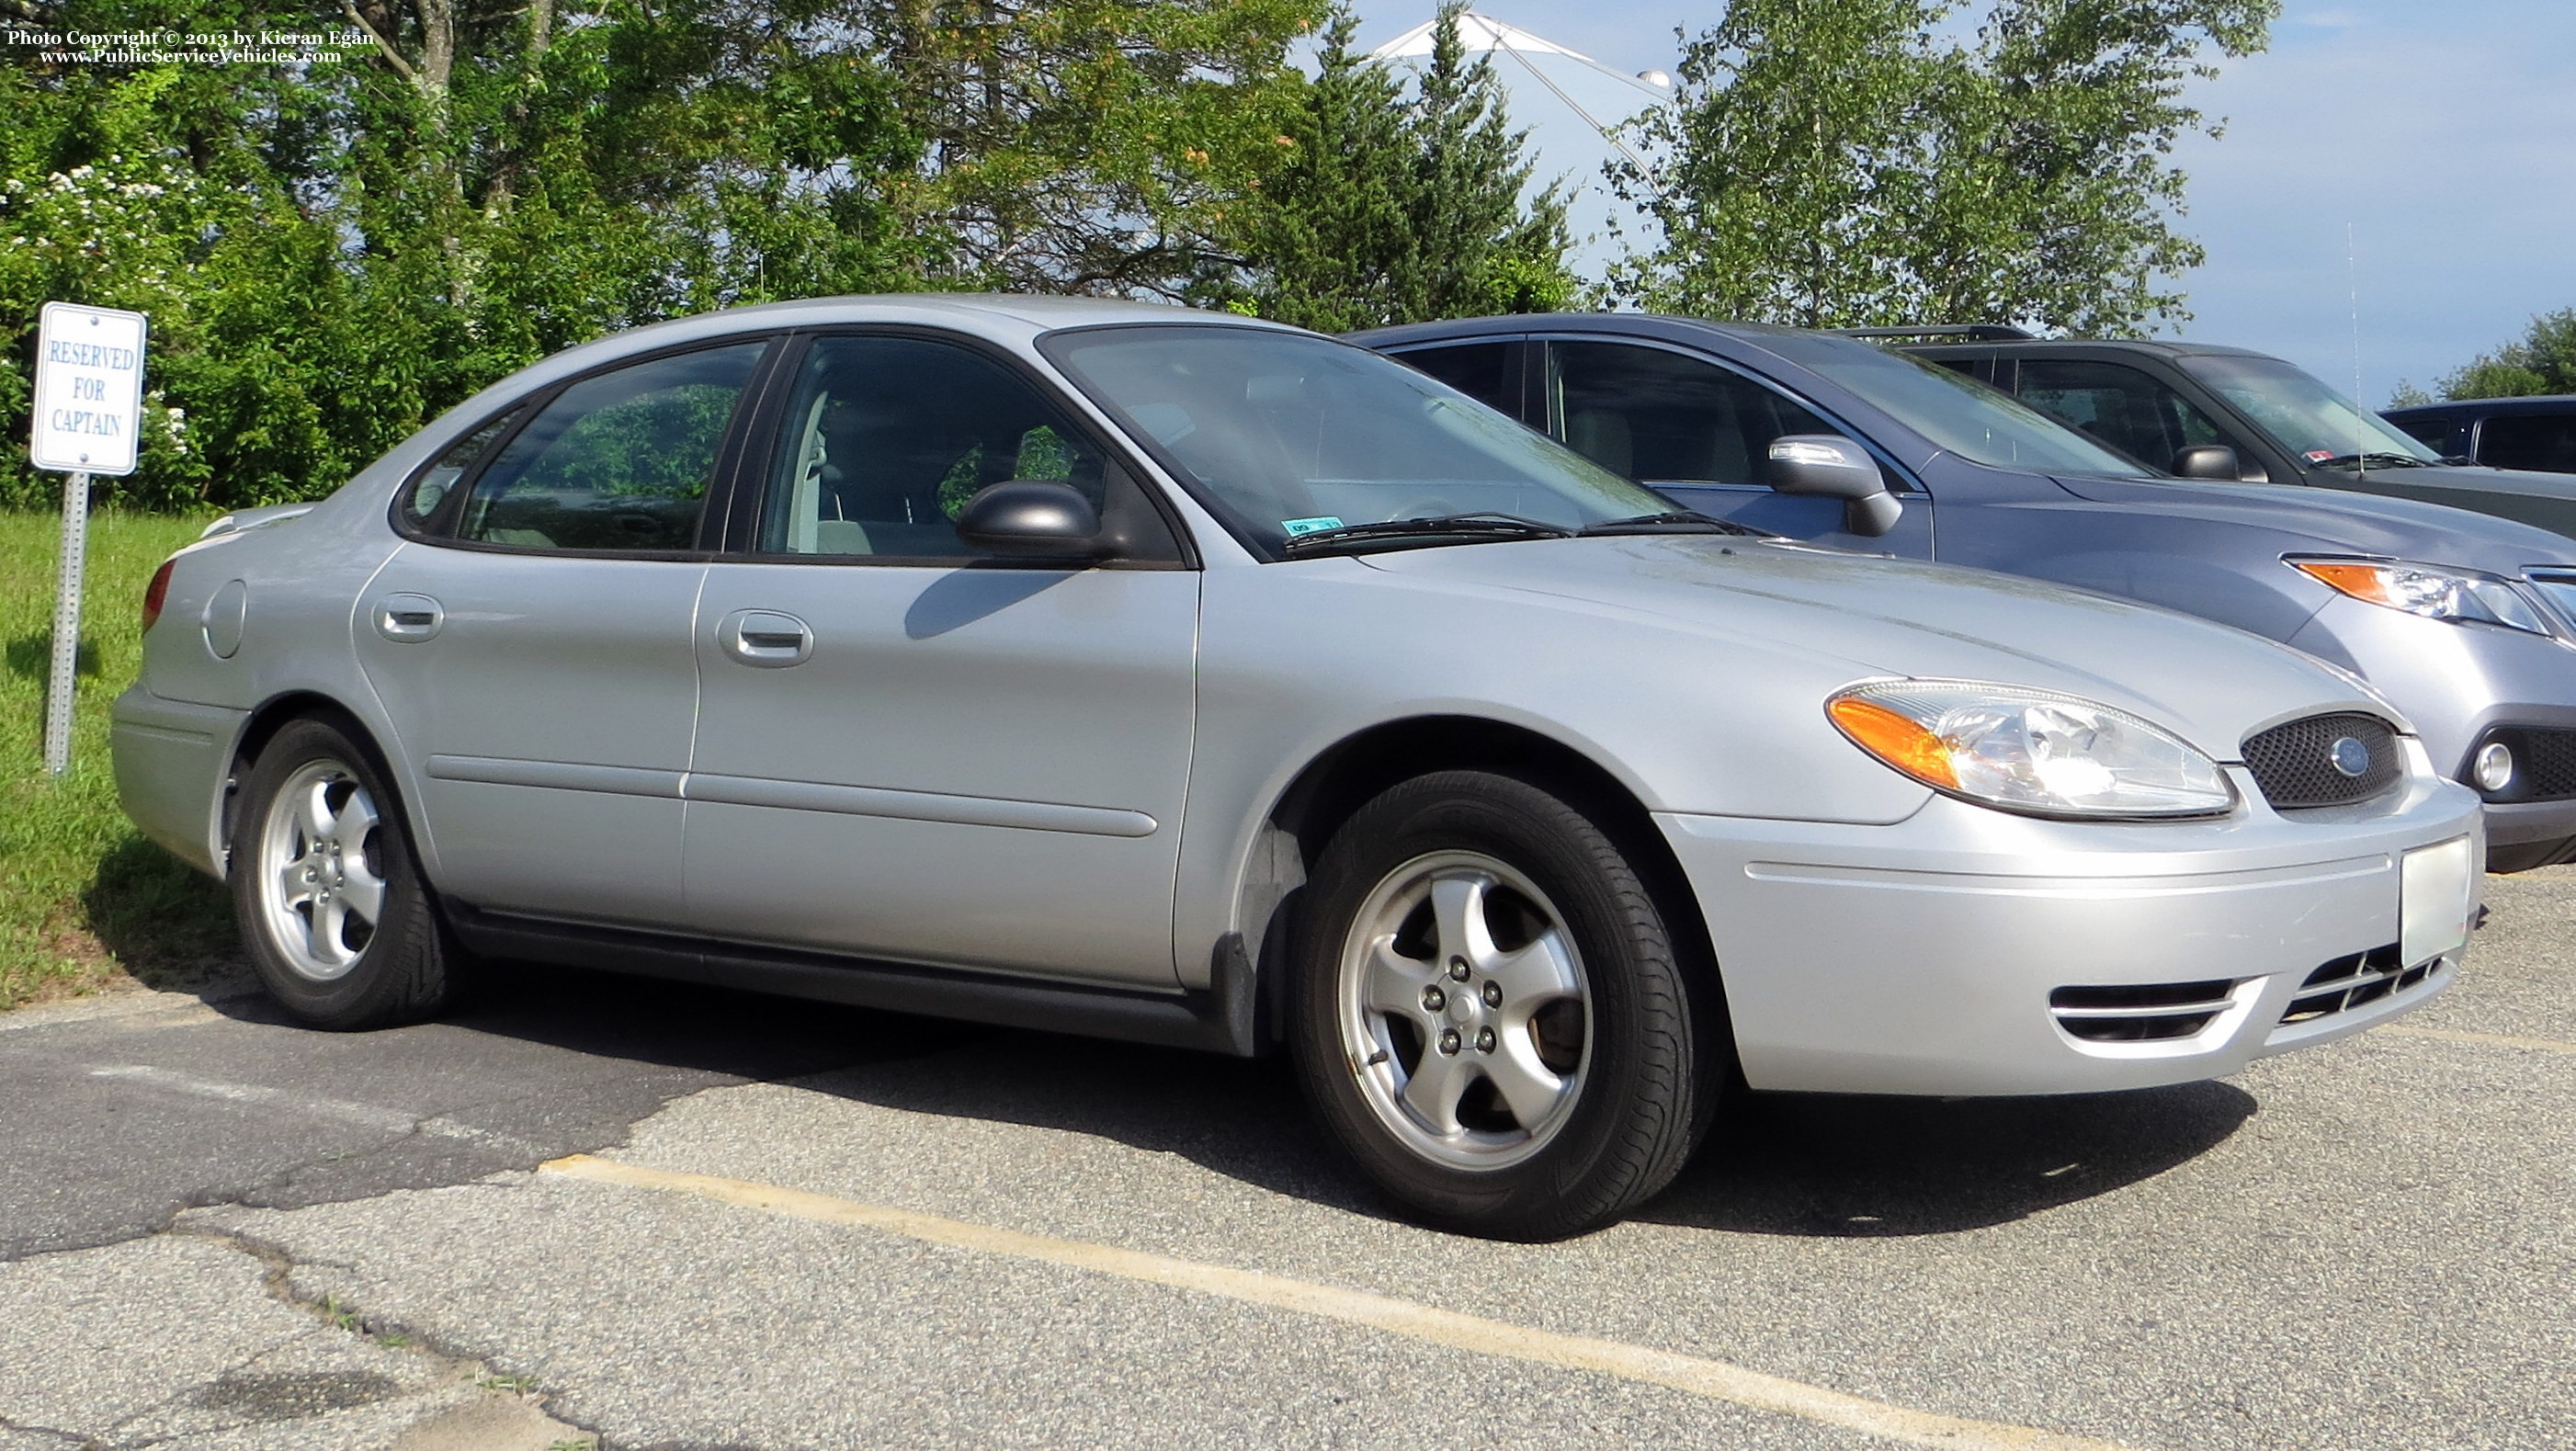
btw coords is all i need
(1829, 466)
(1032, 519)
(2209, 461)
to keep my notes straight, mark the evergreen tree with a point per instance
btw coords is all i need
(1395, 204)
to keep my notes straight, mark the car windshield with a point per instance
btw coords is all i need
(1951, 409)
(2303, 415)
(1286, 435)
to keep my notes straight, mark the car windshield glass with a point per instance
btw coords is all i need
(2304, 416)
(1286, 434)
(1952, 410)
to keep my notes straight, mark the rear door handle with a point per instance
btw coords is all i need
(766, 639)
(409, 617)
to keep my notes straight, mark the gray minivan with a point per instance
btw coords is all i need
(2464, 622)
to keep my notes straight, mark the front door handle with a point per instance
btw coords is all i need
(766, 638)
(409, 617)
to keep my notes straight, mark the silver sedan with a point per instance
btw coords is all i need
(1182, 679)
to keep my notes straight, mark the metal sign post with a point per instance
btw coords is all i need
(67, 613)
(89, 408)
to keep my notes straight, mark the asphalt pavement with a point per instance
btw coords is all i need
(613, 1212)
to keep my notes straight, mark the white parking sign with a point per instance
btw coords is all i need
(89, 390)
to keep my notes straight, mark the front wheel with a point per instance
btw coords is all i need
(334, 914)
(1490, 1013)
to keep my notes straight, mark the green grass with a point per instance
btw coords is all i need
(85, 901)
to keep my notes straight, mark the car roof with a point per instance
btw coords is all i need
(2167, 347)
(1008, 318)
(2455, 407)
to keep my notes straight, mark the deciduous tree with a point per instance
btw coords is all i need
(1842, 162)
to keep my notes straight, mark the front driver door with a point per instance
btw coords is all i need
(908, 751)
(1701, 434)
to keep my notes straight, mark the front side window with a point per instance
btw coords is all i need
(2305, 417)
(1648, 414)
(2123, 407)
(621, 461)
(2543, 441)
(884, 439)
(1284, 434)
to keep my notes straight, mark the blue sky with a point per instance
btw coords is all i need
(2442, 135)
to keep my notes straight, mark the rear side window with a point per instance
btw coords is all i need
(431, 489)
(1482, 371)
(621, 461)
(1663, 418)
(2543, 441)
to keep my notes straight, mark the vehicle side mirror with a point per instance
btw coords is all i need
(1829, 466)
(2209, 461)
(1032, 519)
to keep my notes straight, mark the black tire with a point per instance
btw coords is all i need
(1654, 1055)
(399, 963)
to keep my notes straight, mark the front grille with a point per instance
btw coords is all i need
(2296, 767)
(2352, 982)
(2153, 1013)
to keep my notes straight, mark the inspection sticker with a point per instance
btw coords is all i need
(1309, 526)
(89, 390)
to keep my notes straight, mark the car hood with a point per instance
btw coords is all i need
(2479, 476)
(2334, 520)
(2209, 683)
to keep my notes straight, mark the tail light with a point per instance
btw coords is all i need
(156, 592)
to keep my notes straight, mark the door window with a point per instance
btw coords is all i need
(885, 439)
(1663, 418)
(2542, 441)
(621, 461)
(1482, 371)
(2127, 409)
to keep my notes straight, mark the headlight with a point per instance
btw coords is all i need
(2029, 750)
(2436, 593)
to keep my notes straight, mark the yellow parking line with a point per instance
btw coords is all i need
(2491, 1040)
(1714, 1379)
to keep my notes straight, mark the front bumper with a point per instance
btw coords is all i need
(1921, 958)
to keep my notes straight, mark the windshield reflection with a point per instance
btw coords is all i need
(1289, 435)
(2303, 415)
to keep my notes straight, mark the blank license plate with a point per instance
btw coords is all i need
(2433, 902)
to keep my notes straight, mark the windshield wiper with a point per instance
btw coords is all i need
(2370, 460)
(1463, 527)
(1672, 521)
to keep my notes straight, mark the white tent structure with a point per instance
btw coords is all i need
(1573, 107)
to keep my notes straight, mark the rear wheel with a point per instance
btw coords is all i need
(333, 911)
(1490, 1014)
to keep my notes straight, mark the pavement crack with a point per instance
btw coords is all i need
(277, 1279)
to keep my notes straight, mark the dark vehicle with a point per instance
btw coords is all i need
(2504, 433)
(2465, 623)
(2173, 405)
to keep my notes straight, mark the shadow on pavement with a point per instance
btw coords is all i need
(1828, 1165)
(1788, 1164)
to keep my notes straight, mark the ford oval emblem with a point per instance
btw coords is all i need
(2350, 756)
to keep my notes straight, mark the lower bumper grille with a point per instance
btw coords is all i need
(2151, 1013)
(2353, 982)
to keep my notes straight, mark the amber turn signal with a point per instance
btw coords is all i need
(1895, 739)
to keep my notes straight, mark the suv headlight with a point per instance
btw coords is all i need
(2031, 751)
(2430, 590)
